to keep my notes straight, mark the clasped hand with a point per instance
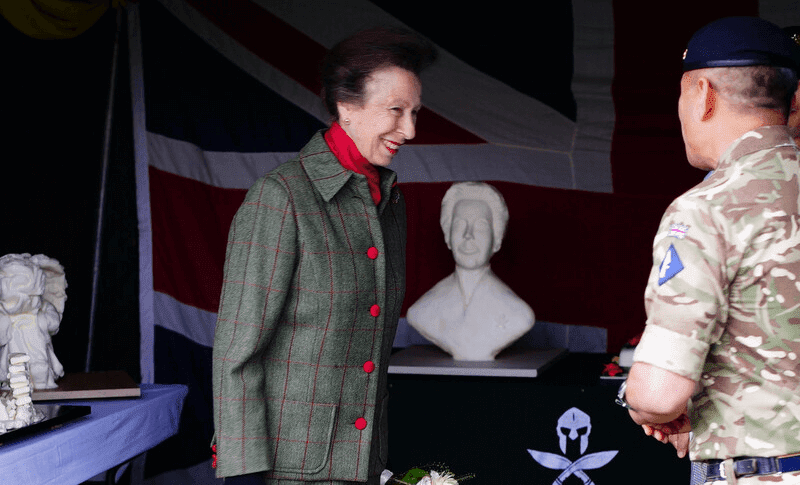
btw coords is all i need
(675, 432)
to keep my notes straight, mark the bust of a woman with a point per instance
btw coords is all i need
(472, 314)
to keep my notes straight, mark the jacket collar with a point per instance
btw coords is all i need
(762, 138)
(328, 176)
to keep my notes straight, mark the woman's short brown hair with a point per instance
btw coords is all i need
(349, 63)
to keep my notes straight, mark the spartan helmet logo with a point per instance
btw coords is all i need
(574, 423)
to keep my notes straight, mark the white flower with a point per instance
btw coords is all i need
(444, 479)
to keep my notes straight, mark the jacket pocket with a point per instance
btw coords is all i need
(302, 433)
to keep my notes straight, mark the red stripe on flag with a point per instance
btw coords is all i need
(298, 56)
(571, 255)
(190, 222)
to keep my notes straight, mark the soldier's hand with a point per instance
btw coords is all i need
(675, 432)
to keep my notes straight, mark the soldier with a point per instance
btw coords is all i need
(794, 116)
(720, 355)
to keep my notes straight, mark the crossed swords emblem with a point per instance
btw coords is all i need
(579, 426)
(577, 467)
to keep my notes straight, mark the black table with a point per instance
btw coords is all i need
(486, 425)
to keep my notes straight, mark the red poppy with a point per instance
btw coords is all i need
(612, 369)
(635, 340)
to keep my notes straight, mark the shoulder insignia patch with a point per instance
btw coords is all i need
(670, 266)
(678, 230)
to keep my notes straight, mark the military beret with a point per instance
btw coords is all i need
(741, 41)
(794, 33)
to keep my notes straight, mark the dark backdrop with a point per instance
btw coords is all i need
(54, 111)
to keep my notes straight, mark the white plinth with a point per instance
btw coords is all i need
(513, 362)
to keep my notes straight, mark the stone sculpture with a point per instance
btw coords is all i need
(472, 314)
(32, 296)
(16, 407)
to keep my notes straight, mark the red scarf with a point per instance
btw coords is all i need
(344, 148)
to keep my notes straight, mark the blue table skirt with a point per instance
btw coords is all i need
(116, 431)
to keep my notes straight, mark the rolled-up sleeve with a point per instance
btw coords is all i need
(687, 292)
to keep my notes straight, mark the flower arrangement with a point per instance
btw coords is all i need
(620, 364)
(420, 476)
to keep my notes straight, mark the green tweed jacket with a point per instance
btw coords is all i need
(313, 284)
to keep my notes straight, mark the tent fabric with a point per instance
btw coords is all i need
(55, 19)
(586, 154)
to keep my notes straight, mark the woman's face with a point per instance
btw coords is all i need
(387, 118)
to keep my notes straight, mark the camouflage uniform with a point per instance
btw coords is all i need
(723, 299)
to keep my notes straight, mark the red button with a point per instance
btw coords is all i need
(369, 366)
(375, 310)
(361, 423)
(372, 252)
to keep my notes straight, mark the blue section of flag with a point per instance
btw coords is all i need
(509, 52)
(182, 361)
(194, 94)
(670, 265)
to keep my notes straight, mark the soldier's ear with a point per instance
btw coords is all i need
(708, 100)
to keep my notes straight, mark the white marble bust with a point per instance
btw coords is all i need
(472, 314)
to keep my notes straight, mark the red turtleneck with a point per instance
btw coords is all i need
(344, 148)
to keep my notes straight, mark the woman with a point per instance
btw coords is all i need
(314, 282)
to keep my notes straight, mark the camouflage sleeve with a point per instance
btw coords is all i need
(686, 297)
